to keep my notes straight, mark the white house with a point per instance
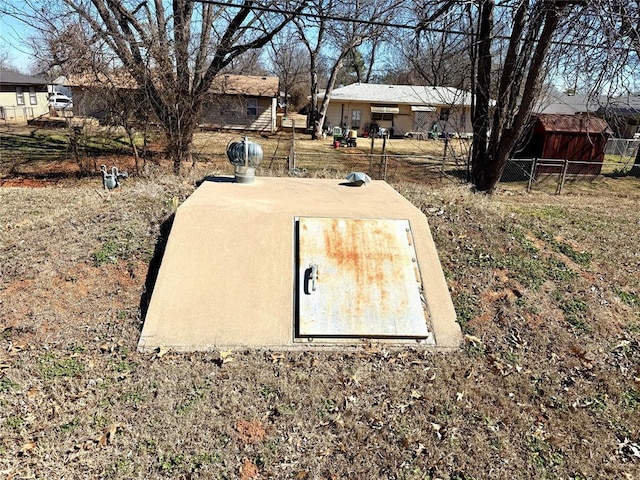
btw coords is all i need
(403, 109)
(22, 97)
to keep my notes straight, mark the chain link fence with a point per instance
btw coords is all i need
(547, 175)
(428, 161)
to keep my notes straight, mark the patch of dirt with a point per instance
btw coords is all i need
(27, 182)
(248, 470)
(250, 432)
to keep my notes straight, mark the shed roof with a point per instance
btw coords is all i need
(11, 77)
(400, 94)
(573, 124)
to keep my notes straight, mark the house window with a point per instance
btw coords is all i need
(33, 100)
(252, 107)
(444, 114)
(19, 96)
(356, 115)
(380, 117)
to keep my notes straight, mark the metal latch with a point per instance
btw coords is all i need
(311, 277)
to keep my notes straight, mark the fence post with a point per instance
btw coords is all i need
(533, 172)
(444, 152)
(384, 157)
(291, 160)
(562, 178)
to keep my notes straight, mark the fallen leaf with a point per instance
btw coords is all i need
(473, 339)
(108, 434)
(371, 348)
(32, 392)
(226, 357)
(629, 449)
(277, 357)
(622, 344)
(301, 475)
(161, 351)
(27, 447)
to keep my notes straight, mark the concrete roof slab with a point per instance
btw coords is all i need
(228, 279)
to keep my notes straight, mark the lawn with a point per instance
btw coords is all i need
(51, 154)
(546, 384)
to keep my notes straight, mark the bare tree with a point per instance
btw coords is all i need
(5, 59)
(173, 50)
(290, 62)
(621, 21)
(498, 127)
(249, 63)
(353, 68)
(67, 49)
(338, 38)
(436, 53)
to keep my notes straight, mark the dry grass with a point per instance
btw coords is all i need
(547, 384)
(39, 152)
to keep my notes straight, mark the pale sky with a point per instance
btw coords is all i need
(13, 35)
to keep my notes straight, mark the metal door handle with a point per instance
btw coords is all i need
(313, 276)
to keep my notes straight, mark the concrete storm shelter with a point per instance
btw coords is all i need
(298, 263)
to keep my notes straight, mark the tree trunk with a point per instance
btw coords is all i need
(481, 161)
(132, 141)
(322, 112)
(313, 104)
(179, 143)
(511, 115)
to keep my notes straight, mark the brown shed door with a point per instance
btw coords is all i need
(358, 278)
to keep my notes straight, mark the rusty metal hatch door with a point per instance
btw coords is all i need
(358, 278)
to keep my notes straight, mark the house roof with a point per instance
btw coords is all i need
(400, 94)
(117, 79)
(627, 106)
(10, 77)
(246, 85)
(573, 124)
(222, 84)
(566, 104)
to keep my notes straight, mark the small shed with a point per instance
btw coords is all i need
(579, 139)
